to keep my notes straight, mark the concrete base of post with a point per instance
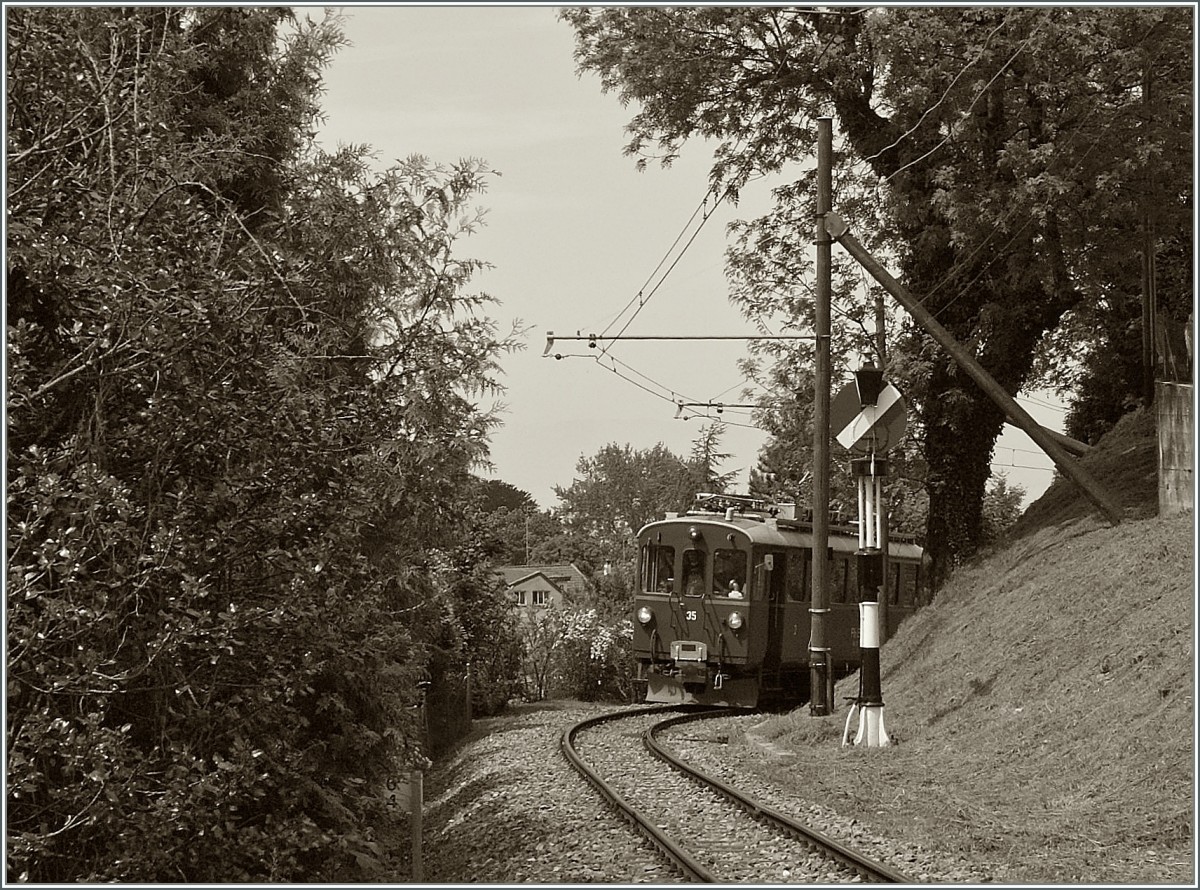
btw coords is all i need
(871, 731)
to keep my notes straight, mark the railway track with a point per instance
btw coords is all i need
(710, 831)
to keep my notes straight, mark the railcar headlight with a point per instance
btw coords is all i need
(735, 620)
(644, 615)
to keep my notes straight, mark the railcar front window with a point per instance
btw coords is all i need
(729, 572)
(693, 572)
(658, 569)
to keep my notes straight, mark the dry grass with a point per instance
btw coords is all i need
(1043, 705)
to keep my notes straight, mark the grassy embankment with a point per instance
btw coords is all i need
(1043, 705)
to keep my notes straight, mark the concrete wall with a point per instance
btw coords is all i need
(1176, 455)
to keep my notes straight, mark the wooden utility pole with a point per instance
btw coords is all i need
(820, 668)
(1017, 415)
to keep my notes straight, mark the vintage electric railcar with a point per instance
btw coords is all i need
(721, 613)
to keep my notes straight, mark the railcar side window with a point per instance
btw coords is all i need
(658, 569)
(799, 571)
(776, 578)
(693, 572)
(729, 572)
(839, 568)
(908, 585)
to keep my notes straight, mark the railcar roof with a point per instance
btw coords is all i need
(767, 530)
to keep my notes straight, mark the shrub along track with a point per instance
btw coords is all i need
(716, 834)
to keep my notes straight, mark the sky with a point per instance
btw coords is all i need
(574, 233)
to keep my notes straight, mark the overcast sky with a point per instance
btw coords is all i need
(574, 233)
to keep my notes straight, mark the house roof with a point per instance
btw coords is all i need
(556, 574)
(513, 582)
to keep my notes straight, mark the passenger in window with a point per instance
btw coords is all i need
(693, 573)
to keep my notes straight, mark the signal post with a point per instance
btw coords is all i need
(870, 417)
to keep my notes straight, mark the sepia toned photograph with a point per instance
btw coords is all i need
(505, 444)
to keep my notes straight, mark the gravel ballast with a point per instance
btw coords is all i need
(505, 807)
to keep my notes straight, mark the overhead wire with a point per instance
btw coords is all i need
(934, 106)
(998, 226)
(659, 390)
(642, 298)
(675, 396)
(1032, 401)
(978, 95)
(637, 296)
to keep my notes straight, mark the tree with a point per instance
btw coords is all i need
(596, 660)
(522, 537)
(998, 149)
(1001, 508)
(242, 389)
(482, 636)
(497, 494)
(706, 455)
(541, 633)
(620, 489)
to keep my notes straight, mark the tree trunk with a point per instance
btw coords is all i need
(961, 426)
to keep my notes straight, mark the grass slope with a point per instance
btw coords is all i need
(1043, 704)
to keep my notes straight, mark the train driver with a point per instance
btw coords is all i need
(734, 591)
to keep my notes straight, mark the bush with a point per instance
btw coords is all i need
(239, 413)
(595, 658)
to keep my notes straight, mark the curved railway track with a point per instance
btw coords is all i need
(712, 833)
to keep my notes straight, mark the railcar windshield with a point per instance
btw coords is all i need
(729, 573)
(658, 569)
(693, 572)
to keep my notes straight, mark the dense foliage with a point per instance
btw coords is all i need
(1017, 167)
(242, 385)
(621, 488)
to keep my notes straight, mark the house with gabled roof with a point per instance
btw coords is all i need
(543, 586)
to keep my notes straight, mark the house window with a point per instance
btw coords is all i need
(521, 601)
(541, 597)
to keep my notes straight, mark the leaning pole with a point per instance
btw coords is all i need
(836, 228)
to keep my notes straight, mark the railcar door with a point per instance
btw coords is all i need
(770, 576)
(797, 619)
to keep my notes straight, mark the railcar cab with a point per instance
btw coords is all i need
(699, 601)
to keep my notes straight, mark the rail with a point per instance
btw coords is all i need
(872, 871)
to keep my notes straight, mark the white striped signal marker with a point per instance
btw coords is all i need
(875, 427)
